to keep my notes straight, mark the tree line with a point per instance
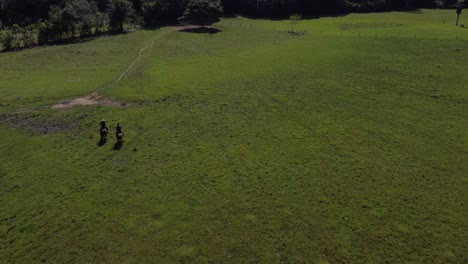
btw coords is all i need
(284, 8)
(25, 23)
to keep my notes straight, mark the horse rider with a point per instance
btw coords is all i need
(118, 130)
(103, 125)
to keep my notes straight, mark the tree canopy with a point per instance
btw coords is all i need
(120, 11)
(26, 23)
(25, 12)
(202, 12)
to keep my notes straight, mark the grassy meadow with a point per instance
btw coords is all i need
(347, 144)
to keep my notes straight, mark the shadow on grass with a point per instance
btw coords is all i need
(296, 33)
(71, 40)
(201, 30)
(285, 17)
(413, 11)
(102, 142)
(118, 145)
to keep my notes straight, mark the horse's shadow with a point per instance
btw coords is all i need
(118, 145)
(102, 142)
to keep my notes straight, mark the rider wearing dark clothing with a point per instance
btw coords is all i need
(118, 130)
(103, 125)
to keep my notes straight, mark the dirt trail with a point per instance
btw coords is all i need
(96, 99)
(140, 53)
(135, 61)
(162, 34)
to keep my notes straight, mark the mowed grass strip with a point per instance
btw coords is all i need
(246, 146)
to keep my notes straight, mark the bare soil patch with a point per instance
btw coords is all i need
(89, 100)
(36, 125)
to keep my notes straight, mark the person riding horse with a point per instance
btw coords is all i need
(103, 129)
(119, 134)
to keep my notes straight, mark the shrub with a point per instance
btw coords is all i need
(7, 39)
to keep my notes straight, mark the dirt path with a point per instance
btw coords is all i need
(162, 34)
(135, 61)
(96, 99)
(140, 53)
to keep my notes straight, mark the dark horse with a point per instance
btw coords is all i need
(119, 133)
(119, 137)
(103, 131)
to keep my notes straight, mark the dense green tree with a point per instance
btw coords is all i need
(76, 18)
(85, 15)
(55, 27)
(202, 12)
(45, 33)
(29, 36)
(43, 21)
(25, 12)
(446, 3)
(17, 36)
(7, 39)
(120, 12)
(152, 11)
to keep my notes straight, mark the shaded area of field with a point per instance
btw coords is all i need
(248, 146)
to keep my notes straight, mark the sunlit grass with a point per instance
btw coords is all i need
(242, 146)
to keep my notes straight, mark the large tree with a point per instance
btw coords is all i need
(202, 12)
(157, 11)
(120, 12)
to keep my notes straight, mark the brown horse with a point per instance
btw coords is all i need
(119, 137)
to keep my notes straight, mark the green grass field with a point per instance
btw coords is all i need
(246, 146)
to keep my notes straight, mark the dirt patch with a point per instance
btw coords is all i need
(89, 100)
(3, 118)
(37, 126)
(50, 127)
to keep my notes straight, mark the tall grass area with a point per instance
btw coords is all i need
(242, 146)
